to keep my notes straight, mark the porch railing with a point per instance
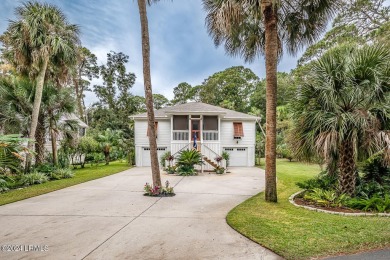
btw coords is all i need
(210, 135)
(180, 135)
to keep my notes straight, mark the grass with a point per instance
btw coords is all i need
(81, 175)
(297, 233)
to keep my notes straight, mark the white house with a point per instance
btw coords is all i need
(216, 130)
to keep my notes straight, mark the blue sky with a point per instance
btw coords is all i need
(181, 49)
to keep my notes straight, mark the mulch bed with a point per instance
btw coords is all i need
(303, 202)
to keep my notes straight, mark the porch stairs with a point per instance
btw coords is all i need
(212, 163)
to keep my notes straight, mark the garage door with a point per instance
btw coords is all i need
(238, 156)
(146, 154)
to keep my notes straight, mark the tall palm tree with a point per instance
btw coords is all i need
(41, 35)
(251, 28)
(342, 109)
(16, 104)
(148, 90)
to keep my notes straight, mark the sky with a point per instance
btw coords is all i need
(181, 49)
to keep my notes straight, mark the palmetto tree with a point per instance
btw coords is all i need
(107, 140)
(250, 28)
(148, 90)
(39, 37)
(342, 110)
(16, 104)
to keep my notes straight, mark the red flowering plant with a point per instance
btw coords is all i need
(158, 191)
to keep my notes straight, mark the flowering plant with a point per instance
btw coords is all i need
(158, 191)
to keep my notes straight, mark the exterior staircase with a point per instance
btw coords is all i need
(212, 163)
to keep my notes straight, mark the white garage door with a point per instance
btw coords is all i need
(146, 154)
(238, 156)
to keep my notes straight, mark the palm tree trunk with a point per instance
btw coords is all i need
(148, 92)
(40, 137)
(347, 176)
(53, 142)
(36, 108)
(107, 157)
(79, 98)
(271, 60)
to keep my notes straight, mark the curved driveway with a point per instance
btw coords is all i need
(109, 218)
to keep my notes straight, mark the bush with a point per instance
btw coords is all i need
(33, 178)
(170, 169)
(375, 170)
(63, 173)
(327, 198)
(372, 204)
(219, 170)
(323, 181)
(186, 161)
(164, 157)
(158, 191)
(10, 153)
(3, 185)
(44, 168)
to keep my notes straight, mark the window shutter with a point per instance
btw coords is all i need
(155, 127)
(238, 129)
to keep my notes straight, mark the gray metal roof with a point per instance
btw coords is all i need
(193, 108)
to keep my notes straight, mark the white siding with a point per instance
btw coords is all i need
(141, 138)
(247, 141)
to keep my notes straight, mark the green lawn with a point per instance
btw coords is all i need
(296, 233)
(81, 175)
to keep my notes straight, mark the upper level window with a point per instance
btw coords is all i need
(210, 123)
(180, 122)
(238, 130)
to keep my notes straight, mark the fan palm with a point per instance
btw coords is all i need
(17, 99)
(250, 28)
(107, 140)
(148, 90)
(342, 109)
(41, 36)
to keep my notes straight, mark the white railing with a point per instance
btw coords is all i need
(210, 135)
(180, 135)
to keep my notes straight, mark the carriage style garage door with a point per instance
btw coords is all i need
(238, 156)
(146, 154)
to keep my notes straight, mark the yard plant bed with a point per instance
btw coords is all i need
(303, 202)
(298, 233)
(81, 175)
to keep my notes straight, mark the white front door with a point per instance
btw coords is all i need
(146, 155)
(238, 156)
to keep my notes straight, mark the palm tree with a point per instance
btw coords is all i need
(107, 140)
(148, 91)
(40, 36)
(17, 99)
(251, 28)
(342, 109)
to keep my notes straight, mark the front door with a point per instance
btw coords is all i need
(195, 130)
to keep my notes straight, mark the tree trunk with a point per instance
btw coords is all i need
(347, 176)
(271, 60)
(79, 98)
(36, 108)
(148, 92)
(107, 157)
(40, 137)
(53, 142)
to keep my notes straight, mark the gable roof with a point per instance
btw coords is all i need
(193, 108)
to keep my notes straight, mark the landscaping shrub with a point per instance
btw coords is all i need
(327, 198)
(62, 173)
(164, 157)
(158, 191)
(171, 169)
(10, 153)
(33, 178)
(219, 170)
(323, 181)
(3, 185)
(375, 203)
(186, 161)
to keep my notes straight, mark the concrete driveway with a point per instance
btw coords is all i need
(109, 218)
